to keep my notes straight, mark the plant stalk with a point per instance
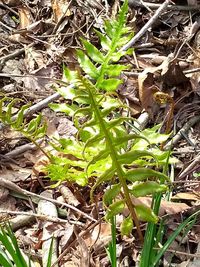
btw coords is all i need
(119, 171)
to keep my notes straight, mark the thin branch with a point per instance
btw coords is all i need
(136, 3)
(146, 26)
(13, 187)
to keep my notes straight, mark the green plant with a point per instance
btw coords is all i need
(153, 251)
(10, 253)
(32, 130)
(103, 150)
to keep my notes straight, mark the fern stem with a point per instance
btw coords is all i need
(41, 149)
(119, 170)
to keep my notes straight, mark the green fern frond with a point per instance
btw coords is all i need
(104, 148)
(33, 130)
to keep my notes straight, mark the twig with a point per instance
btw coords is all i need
(21, 149)
(136, 3)
(13, 187)
(6, 26)
(39, 216)
(9, 8)
(190, 167)
(20, 221)
(184, 129)
(191, 71)
(146, 26)
(12, 55)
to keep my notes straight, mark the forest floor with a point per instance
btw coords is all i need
(36, 39)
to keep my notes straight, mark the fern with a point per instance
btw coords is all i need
(103, 149)
(32, 130)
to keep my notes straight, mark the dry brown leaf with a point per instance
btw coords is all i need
(7, 202)
(36, 83)
(33, 59)
(166, 207)
(146, 90)
(60, 9)
(187, 196)
(193, 2)
(17, 174)
(25, 17)
(65, 235)
(172, 73)
(74, 262)
(12, 3)
(99, 237)
(84, 252)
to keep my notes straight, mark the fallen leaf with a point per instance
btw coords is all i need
(166, 207)
(99, 237)
(186, 196)
(172, 73)
(60, 9)
(25, 17)
(146, 91)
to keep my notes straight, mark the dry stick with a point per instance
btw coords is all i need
(146, 26)
(136, 3)
(21, 149)
(190, 167)
(5, 26)
(20, 221)
(9, 8)
(13, 187)
(39, 216)
(184, 129)
(13, 55)
(191, 71)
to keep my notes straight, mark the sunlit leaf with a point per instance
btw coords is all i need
(148, 188)
(92, 51)
(115, 209)
(115, 70)
(129, 157)
(110, 84)
(126, 226)
(63, 107)
(104, 39)
(140, 174)
(144, 213)
(87, 64)
(69, 76)
(106, 176)
(128, 137)
(19, 122)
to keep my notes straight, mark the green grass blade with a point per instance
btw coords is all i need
(4, 259)
(112, 248)
(189, 221)
(50, 253)
(9, 241)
